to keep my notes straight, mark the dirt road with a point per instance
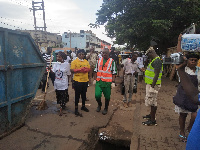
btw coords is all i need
(46, 130)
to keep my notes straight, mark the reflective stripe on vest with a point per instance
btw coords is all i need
(104, 73)
(106, 78)
(149, 74)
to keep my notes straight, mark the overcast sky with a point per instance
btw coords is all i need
(61, 15)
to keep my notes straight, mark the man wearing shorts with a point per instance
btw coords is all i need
(153, 75)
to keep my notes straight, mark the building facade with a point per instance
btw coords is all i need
(84, 40)
(45, 39)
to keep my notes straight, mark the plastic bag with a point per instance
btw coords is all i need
(190, 42)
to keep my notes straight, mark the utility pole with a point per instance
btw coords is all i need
(36, 6)
(70, 41)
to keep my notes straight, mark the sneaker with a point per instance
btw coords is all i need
(125, 105)
(150, 123)
(98, 109)
(105, 111)
(84, 109)
(147, 117)
(129, 104)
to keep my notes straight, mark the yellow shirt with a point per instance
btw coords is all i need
(77, 64)
(198, 64)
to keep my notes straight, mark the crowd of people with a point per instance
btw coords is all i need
(99, 69)
(104, 67)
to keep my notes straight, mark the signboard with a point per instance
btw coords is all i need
(190, 30)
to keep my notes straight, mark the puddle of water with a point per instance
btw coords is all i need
(53, 108)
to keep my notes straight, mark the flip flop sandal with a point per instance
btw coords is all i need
(60, 112)
(182, 138)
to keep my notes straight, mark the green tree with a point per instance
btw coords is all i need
(137, 22)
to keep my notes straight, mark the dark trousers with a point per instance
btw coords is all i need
(44, 79)
(80, 89)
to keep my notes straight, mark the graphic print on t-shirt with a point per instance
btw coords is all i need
(59, 74)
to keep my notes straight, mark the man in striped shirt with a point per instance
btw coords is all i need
(47, 58)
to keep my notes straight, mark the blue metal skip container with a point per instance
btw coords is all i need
(21, 69)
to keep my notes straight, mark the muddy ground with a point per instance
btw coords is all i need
(46, 130)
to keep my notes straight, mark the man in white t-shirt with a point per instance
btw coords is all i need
(73, 56)
(129, 73)
(68, 60)
(140, 63)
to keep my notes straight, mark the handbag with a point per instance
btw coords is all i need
(182, 100)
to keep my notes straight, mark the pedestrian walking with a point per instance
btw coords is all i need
(183, 104)
(73, 55)
(104, 79)
(153, 75)
(61, 70)
(47, 58)
(80, 68)
(68, 59)
(129, 75)
(114, 56)
(92, 59)
(140, 62)
(119, 64)
(194, 94)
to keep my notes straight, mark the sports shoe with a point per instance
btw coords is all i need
(150, 123)
(147, 117)
(84, 109)
(125, 105)
(105, 111)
